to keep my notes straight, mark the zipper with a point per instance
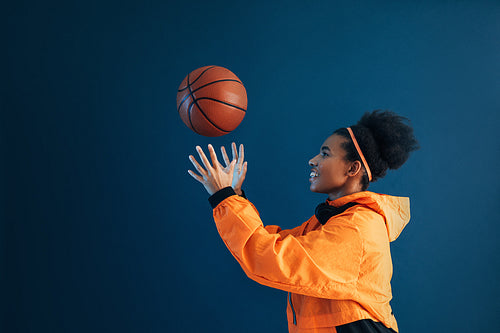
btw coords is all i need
(293, 310)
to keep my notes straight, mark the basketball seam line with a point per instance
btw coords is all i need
(190, 107)
(216, 100)
(185, 97)
(188, 84)
(199, 108)
(204, 115)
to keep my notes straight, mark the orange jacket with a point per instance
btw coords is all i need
(335, 273)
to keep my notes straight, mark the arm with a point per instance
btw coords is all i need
(323, 263)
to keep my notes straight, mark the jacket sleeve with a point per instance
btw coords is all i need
(272, 229)
(323, 263)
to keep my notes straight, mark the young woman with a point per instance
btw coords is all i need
(336, 267)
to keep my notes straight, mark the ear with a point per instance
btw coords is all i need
(354, 169)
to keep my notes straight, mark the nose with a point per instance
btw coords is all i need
(312, 162)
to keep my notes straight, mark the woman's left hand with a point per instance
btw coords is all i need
(213, 178)
(240, 169)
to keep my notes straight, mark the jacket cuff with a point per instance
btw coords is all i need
(220, 195)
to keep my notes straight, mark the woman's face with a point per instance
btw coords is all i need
(329, 169)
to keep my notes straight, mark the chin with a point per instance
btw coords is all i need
(313, 188)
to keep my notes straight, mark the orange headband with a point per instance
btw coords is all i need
(360, 154)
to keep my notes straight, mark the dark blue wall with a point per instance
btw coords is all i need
(104, 230)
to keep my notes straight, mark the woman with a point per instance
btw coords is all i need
(336, 267)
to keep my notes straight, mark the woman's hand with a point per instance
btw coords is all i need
(213, 178)
(240, 169)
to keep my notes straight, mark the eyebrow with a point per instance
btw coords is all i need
(325, 148)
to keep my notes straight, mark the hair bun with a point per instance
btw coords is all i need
(392, 134)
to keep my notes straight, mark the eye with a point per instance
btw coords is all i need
(324, 154)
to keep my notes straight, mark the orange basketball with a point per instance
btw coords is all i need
(212, 101)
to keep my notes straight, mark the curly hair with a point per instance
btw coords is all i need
(385, 139)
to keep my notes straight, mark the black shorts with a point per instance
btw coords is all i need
(364, 326)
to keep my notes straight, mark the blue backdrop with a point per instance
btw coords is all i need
(103, 230)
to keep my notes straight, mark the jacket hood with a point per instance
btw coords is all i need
(395, 210)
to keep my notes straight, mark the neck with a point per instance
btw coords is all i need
(347, 189)
(333, 196)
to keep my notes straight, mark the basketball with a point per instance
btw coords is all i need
(212, 101)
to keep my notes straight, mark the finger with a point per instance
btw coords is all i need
(198, 167)
(224, 155)
(243, 172)
(195, 176)
(213, 156)
(242, 175)
(204, 159)
(235, 154)
(242, 154)
(231, 167)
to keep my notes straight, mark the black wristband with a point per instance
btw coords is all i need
(220, 195)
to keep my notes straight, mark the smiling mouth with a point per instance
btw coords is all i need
(314, 174)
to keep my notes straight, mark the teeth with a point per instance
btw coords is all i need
(313, 174)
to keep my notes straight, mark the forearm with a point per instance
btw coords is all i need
(269, 259)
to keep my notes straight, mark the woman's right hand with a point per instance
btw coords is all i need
(240, 170)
